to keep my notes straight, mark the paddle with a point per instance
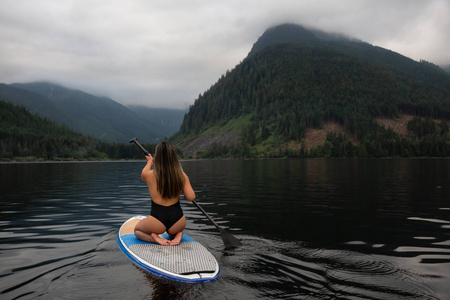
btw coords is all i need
(228, 239)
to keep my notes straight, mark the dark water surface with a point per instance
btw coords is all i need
(311, 229)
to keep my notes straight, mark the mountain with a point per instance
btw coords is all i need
(164, 121)
(27, 135)
(296, 79)
(35, 103)
(292, 33)
(446, 68)
(298, 35)
(99, 117)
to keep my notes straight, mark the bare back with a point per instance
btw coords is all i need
(150, 178)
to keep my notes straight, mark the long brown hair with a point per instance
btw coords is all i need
(168, 171)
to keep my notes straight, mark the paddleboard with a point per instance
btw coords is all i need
(189, 261)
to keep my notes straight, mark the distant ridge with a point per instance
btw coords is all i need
(99, 117)
(163, 120)
(446, 68)
(28, 137)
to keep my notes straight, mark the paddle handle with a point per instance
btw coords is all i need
(134, 140)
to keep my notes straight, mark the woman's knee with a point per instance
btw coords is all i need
(140, 229)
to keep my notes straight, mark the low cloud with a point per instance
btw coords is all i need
(165, 53)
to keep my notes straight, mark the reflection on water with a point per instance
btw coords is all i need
(313, 228)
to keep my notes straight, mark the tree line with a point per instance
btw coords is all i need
(427, 139)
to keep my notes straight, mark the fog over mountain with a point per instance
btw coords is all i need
(165, 53)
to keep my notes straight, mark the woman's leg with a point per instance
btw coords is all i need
(148, 229)
(176, 231)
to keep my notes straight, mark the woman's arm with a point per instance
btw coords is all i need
(188, 191)
(147, 168)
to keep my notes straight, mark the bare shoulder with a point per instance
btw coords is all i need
(185, 176)
(148, 175)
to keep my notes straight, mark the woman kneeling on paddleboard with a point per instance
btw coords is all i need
(165, 182)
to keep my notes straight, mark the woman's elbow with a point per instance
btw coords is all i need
(189, 196)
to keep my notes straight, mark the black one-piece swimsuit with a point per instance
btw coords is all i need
(168, 215)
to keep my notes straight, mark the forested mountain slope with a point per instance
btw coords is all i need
(294, 79)
(27, 136)
(99, 117)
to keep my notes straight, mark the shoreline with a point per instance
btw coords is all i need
(194, 159)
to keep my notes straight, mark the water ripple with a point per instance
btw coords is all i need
(288, 270)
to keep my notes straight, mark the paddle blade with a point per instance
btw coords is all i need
(229, 240)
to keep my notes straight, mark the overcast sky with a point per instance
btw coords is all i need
(165, 53)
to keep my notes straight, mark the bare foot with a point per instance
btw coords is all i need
(177, 239)
(160, 241)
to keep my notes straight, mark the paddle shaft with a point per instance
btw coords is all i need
(206, 215)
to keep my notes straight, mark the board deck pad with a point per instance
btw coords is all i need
(188, 261)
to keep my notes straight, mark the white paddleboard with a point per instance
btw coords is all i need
(189, 261)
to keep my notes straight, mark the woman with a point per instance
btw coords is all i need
(165, 183)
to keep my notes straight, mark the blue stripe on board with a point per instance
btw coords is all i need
(131, 239)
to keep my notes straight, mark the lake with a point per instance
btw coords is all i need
(311, 229)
